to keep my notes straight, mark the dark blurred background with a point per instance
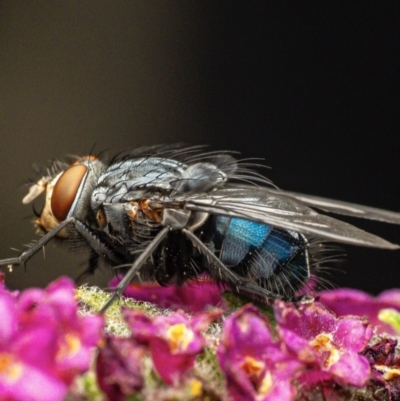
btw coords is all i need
(312, 89)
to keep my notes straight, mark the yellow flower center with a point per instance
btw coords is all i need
(179, 337)
(10, 369)
(70, 346)
(252, 366)
(323, 345)
(253, 369)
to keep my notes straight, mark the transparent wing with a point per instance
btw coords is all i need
(345, 208)
(280, 210)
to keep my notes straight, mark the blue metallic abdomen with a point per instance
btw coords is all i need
(277, 259)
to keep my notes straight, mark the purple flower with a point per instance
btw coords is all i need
(118, 367)
(330, 346)
(193, 297)
(354, 302)
(174, 341)
(256, 367)
(25, 358)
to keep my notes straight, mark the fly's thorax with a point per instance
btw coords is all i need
(67, 193)
(134, 179)
(175, 218)
(125, 219)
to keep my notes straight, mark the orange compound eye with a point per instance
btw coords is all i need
(65, 190)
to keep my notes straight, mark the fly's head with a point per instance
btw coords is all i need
(67, 193)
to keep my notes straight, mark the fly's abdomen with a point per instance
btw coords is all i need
(276, 259)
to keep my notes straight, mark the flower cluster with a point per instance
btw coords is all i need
(44, 343)
(304, 352)
(311, 347)
(308, 347)
(173, 342)
(329, 346)
(256, 366)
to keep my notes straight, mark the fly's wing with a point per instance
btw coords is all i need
(262, 205)
(345, 208)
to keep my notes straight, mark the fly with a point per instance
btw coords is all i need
(173, 213)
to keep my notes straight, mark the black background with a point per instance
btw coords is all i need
(312, 87)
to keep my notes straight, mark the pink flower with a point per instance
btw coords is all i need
(255, 365)
(193, 296)
(345, 301)
(76, 336)
(174, 341)
(44, 344)
(329, 346)
(26, 358)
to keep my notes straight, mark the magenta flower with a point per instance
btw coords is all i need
(354, 302)
(118, 367)
(174, 341)
(25, 358)
(76, 336)
(330, 346)
(44, 344)
(256, 367)
(194, 296)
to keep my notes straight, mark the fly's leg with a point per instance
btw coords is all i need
(219, 271)
(135, 268)
(26, 255)
(94, 242)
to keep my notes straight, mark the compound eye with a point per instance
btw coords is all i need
(66, 189)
